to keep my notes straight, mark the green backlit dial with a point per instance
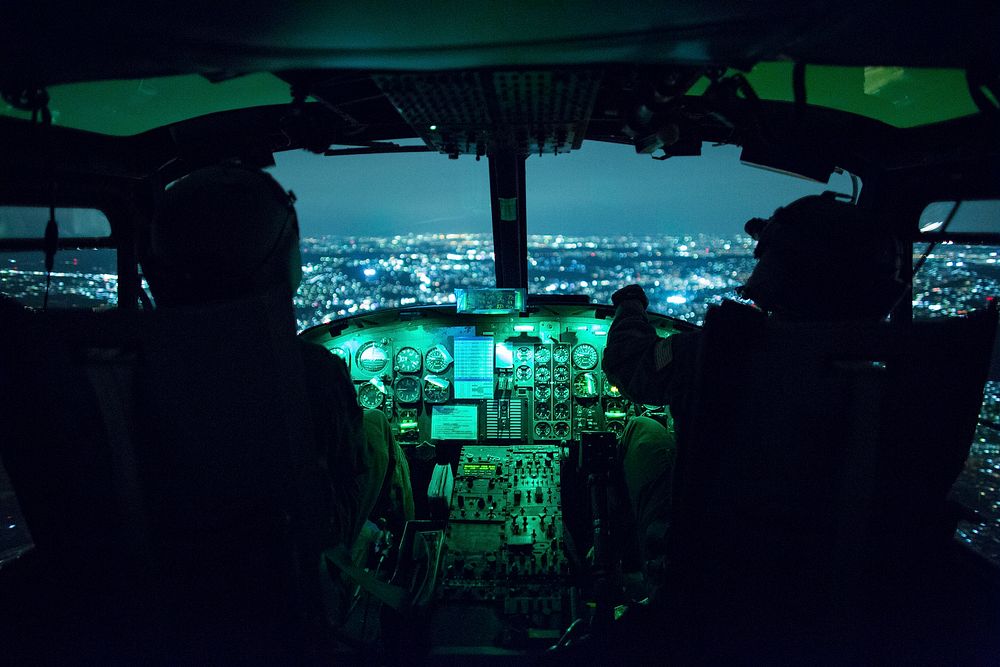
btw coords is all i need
(542, 355)
(543, 430)
(369, 396)
(561, 429)
(408, 360)
(560, 374)
(523, 354)
(585, 385)
(585, 357)
(542, 375)
(436, 360)
(561, 411)
(561, 393)
(408, 389)
(373, 357)
(561, 354)
(436, 390)
(542, 411)
(542, 392)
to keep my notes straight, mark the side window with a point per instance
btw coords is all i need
(83, 275)
(954, 280)
(14, 536)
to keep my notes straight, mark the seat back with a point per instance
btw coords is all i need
(817, 460)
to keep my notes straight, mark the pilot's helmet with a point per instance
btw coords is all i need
(823, 259)
(221, 233)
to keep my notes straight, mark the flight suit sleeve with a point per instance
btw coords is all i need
(646, 367)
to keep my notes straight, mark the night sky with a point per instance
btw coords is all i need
(590, 191)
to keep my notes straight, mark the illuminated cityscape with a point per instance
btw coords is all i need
(682, 275)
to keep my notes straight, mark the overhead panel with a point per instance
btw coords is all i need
(478, 112)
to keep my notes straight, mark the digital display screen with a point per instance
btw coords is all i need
(478, 469)
(490, 301)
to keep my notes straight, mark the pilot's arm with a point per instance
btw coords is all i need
(646, 367)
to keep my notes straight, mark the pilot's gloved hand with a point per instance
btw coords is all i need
(630, 293)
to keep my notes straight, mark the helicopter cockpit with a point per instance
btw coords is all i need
(478, 327)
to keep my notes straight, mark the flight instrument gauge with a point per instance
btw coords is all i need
(561, 411)
(615, 427)
(523, 373)
(436, 389)
(585, 385)
(542, 392)
(343, 354)
(408, 360)
(542, 375)
(370, 396)
(585, 357)
(610, 389)
(437, 359)
(560, 374)
(373, 357)
(561, 354)
(542, 355)
(543, 430)
(542, 411)
(523, 354)
(561, 393)
(561, 429)
(408, 389)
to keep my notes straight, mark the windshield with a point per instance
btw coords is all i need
(386, 231)
(604, 217)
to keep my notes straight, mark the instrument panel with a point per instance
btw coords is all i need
(532, 378)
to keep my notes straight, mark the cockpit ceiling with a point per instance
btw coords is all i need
(544, 109)
(141, 40)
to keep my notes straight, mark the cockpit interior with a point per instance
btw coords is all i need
(153, 456)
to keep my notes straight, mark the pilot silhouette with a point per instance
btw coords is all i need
(229, 231)
(818, 259)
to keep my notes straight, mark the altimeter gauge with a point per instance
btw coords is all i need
(585, 385)
(408, 389)
(437, 359)
(408, 360)
(373, 357)
(436, 389)
(585, 357)
(370, 396)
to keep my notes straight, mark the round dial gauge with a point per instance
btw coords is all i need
(615, 405)
(561, 354)
(585, 385)
(342, 353)
(560, 374)
(561, 393)
(542, 375)
(585, 357)
(436, 390)
(523, 373)
(616, 427)
(560, 430)
(542, 392)
(542, 411)
(408, 389)
(369, 396)
(436, 360)
(610, 389)
(523, 354)
(561, 411)
(373, 357)
(543, 430)
(542, 354)
(408, 360)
